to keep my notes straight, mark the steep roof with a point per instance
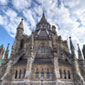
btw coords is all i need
(43, 20)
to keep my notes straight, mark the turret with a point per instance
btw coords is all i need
(6, 52)
(72, 48)
(1, 51)
(20, 30)
(6, 55)
(54, 29)
(18, 39)
(79, 53)
(75, 66)
(1, 54)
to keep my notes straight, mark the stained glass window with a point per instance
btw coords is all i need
(37, 73)
(42, 73)
(48, 73)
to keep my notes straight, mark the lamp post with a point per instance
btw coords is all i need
(42, 80)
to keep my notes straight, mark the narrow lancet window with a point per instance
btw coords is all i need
(16, 74)
(64, 74)
(37, 73)
(60, 71)
(24, 73)
(69, 75)
(48, 73)
(42, 73)
(20, 73)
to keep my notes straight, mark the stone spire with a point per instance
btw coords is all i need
(83, 50)
(20, 30)
(6, 52)
(72, 48)
(43, 19)
(20, 26)
(42, 24)
(1, 51)
(79, 53)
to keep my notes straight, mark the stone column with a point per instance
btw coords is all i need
(29, 70)
(76, 73)
(56, 68)
(7, 77)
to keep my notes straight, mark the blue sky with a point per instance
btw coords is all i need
(67, 15)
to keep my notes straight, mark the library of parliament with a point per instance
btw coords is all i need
(42, 58)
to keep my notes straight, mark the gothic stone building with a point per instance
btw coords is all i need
(42, 58)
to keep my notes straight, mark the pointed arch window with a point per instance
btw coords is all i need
(16, 74)
(64, 74)
(60, 71)
(20, 73)
(37, 73)
(69, 75)
(48, 73)
(42, 73)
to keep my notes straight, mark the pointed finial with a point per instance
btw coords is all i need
(43, 19)
(79, 53)
(1, 47)
(20, 26)
(70, 37)
(8, 44)
(43, 12)
(7, 51)
(22, 19)
(78, 45)
(72, 48)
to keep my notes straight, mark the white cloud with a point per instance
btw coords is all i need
(26, 28)
(66, 18)
(11, 13)
(1, 20)
(21, 4)
(28, 15)
(10, 22)
(3, 2)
